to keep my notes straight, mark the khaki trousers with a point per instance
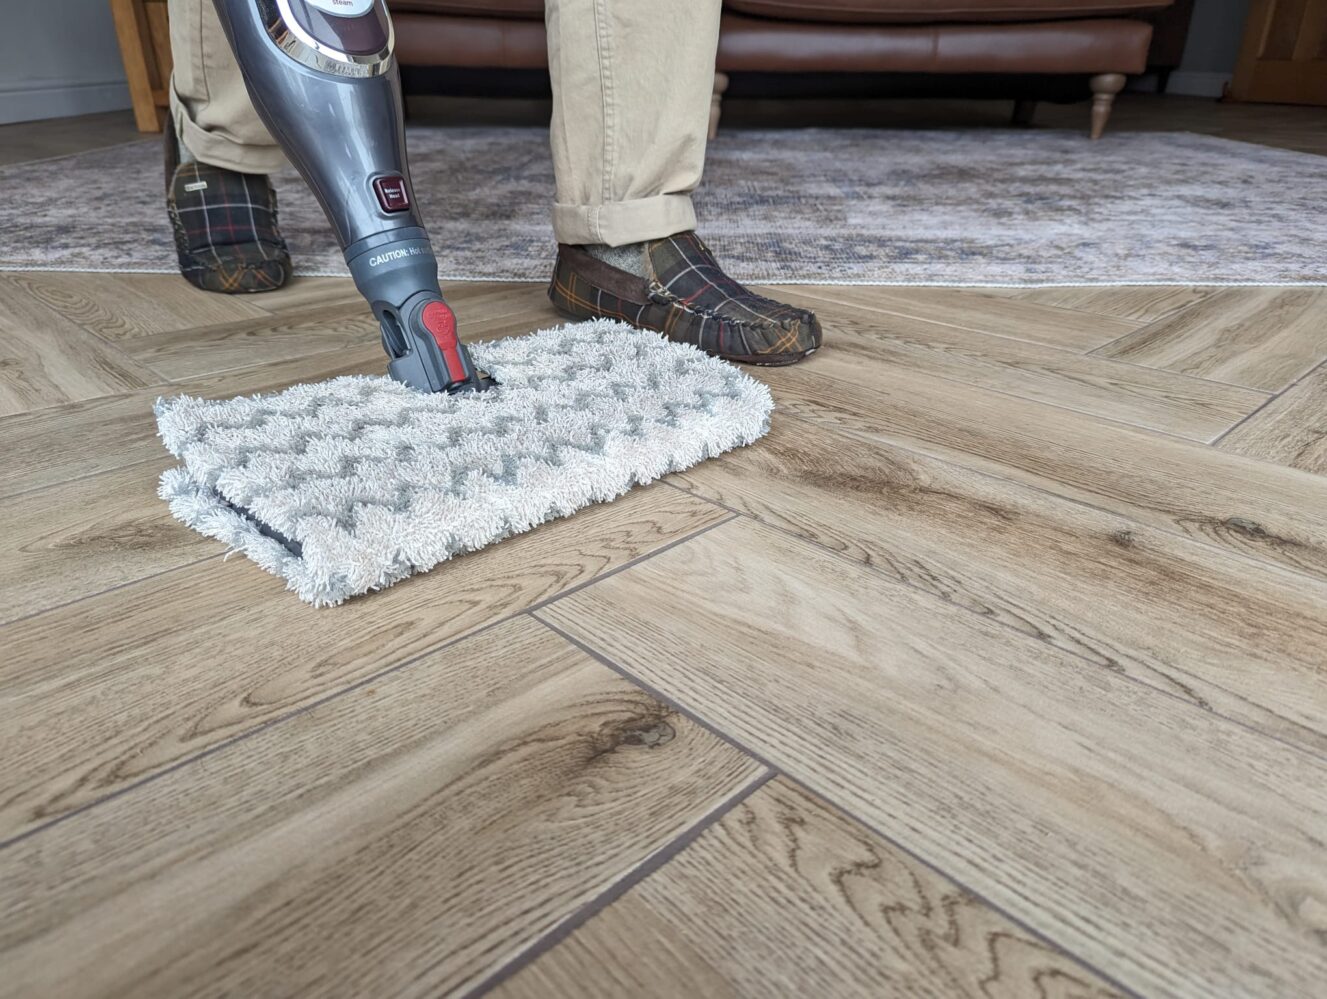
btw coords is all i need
(632, 81)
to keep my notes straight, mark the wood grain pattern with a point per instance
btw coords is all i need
(1128, 393)
(103, 693)
(78, 439)
(1290, 430)
(1179, 854)
(76, 539)
(1047, 655)
(784, 896)
(122, 306)
(1275, 514)
(197, 352)
(46, 360)
(1141, 303)
(1123, 596)
(308, 292)
(971, 309)
(401, 839)
(1259, 337)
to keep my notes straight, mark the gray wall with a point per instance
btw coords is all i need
(57, 58)
(1209, 54)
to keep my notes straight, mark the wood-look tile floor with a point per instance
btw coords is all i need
(999, 668)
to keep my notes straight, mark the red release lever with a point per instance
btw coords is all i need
(440, 321)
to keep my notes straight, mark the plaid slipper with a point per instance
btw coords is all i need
(688, 298)
(226, 233)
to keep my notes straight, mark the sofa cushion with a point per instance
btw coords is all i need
(939, 11)
(759, 44)
(525, 9)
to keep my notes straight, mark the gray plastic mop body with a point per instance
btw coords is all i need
(323, 77)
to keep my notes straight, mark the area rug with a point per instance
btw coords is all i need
(855, 206)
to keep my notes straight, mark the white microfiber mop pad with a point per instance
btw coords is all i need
(353, 484)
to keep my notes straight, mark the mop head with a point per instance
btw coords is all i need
(353, 484)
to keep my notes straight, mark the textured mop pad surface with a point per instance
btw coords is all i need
(353, 484)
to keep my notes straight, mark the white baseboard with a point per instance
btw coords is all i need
(60, 100)
(1192, 84)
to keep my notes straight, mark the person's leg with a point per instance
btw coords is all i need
(632, 87)
(631, 95)
(218, 154)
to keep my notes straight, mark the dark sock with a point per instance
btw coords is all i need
(629, 258)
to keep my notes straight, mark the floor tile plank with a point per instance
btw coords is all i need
(1262, 338)
(1147, 397)
(1178, 853)
(1142, 303)
(1275, 514)
(1290, 430)
(404, 838)
(971, 309)
(785, 896)
(45, 360)
(76, 539)
(119, 307)
(197, 352)
(60, 443)
(1123, 596)
(115, 688)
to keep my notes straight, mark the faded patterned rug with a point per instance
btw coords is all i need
(861, 206)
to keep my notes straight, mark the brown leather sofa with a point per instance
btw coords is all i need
(1102, 40)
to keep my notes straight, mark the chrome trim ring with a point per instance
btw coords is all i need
(291, 38)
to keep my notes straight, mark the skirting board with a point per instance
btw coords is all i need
(1194, 84)
(62, 100)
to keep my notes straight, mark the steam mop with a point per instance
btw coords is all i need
(350, 485)
(321, 75)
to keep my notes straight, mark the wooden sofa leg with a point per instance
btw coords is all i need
(716, 101)
(1104, 88)
(1023, 112)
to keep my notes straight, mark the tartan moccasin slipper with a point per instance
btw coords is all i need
(687, 297)
(225, 225)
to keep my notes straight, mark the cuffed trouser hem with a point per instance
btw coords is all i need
(621, 222)
(219, 150)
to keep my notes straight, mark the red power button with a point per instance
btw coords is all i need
(391, 193)
(440, 321)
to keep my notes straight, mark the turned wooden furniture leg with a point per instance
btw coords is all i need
(720, 85)
(1104, 88)
(1023, 112)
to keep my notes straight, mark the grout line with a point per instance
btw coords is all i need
(1130, 677)
(616, 889)
(950, 456)
(111, 589)
(340, 691)
(656, 693)
(631, 563)
(1091, 354)
(896, 314)
(1010, 393)
(981, 897)
(6, 497)
(1248, 416)
(778, 771)
(1267, 402)
(261, 727)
